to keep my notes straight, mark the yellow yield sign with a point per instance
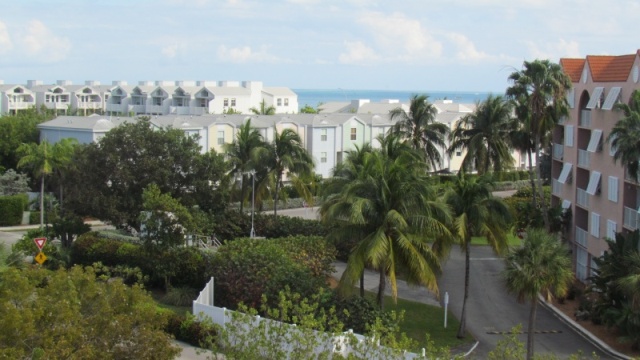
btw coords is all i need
(41, 258)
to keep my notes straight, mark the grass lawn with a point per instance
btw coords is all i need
(481, 240)
(420, 319)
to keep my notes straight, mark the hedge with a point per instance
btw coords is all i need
(11, 208)
(49, 217)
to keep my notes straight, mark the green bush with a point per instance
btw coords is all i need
(358, 313)
(233, 224)
(180, 296)
(11, 208)
(189, 330)
(49, 216)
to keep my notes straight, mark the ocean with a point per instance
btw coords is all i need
(313, 97)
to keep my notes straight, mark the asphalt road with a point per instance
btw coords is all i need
(490, 308)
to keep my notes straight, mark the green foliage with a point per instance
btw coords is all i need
(19, 129)
(67, 228)
(359, 313)
(180, 296)
(308, 109)
(190, 330)
(77, 314)
(245, 269)
(13, 183)
(49, 216)
(164, 221)
(11, 208)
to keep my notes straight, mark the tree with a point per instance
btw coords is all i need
(18, 129)
(13, 183)
(308, 109)
(285, 154)
(484, 135)
(39, 158)
(63, 155)
(76, 314)
(542, 266)
(109, 177)
(521, 139)
(264, 109)
(625, 135)
(542, 86)
(164, 221)
(242, 154)
(420, 128)
(476, 213)
(392, 210)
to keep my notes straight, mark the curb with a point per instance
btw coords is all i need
(36, 226)
(582, 331)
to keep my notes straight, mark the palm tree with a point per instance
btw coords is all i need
(484, 135)
(542, 86)
(63, 152)
(625, 135)
(391, 209)
(39, 158)
(419, 127)
(541, 266)
(476, 213)
(285, 154)
(264, 109)
(522, 140)
(242, 153)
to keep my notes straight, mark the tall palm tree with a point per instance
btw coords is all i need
(476, 213)
(484, 135)
(264, 109)
(392, 210)
(63, 152)
(285, 154)
(419, 127)
(625, 135)
(242, 153)
(39, 158)
(542, 85)
(521, 139)
(541, 266)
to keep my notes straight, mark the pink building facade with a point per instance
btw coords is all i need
(586, 181)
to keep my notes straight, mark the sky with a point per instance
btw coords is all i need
(447, 45)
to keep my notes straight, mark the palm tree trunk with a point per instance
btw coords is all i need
(242, 194)
(543, 203)
(275, 204)
(531, 328)
(362, 284)
(462, 330)
(381, 288)
(42, 201)
(532, 177)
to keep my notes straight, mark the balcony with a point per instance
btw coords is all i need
(57, 105)
(115, 108)
(582, 198)
(199, 110)
(585, 118)
(556, 187)
(19, 105)
(179, 110)
(584, 158)
(581, 236)
(628, 177)
(156, 109)
(137, 109)
(630, 218)
(90, 105)
(558, 151)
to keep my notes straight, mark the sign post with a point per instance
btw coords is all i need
(41, 257)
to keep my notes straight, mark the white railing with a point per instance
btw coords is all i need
(581, 236)
(558, 151)
(156, 109)
(138, 109)
(556, 187)
(115, 107)
(584, 158)
(630, 218)
(585, 118)
(20, 105)
(195, 110)
(57, 105)
(582, 198)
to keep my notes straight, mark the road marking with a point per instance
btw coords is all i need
(524, 332)
(485, 259)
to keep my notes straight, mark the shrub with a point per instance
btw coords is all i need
(190, 330)
(180, 296)
(359, 314)
(49, 216)
(11, 208)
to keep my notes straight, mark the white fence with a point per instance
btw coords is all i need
(286, 336)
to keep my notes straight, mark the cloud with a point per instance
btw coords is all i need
(5, 40)
(357, 53)
(38, 41)
(466, 49)
(554, 51)
(170, 51)
(244, 54)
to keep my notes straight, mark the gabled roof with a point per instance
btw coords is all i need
(610, 68)
(9, 87)
(573, 68)
(278, 91)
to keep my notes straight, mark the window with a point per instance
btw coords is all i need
(595, 97)
(220, 137)
(612, 149)
(594, 183)
(279, 102)
(286, 101)
(568, 135)
(612, 98)
(595, 224)
(233, 101)
(565, 175)
(594, 142)
(323, 157)
(613, 189)
(458, 153)
(354, 133)
(323, 134)
(571, 97)
(225, 102)
(566, 205)
(611, 229)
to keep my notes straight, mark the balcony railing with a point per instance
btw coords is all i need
(156, 109)
(628, 177)
(556, 187)
(581, 236)
(584, 158)
(585, 118)
(137, 109)
(57, 105)
(558, 151)
(582, 198)
(630, 218)
(20, 105)
(115, 107)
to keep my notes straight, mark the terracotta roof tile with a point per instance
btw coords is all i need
(573, 68)
(610, 68)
